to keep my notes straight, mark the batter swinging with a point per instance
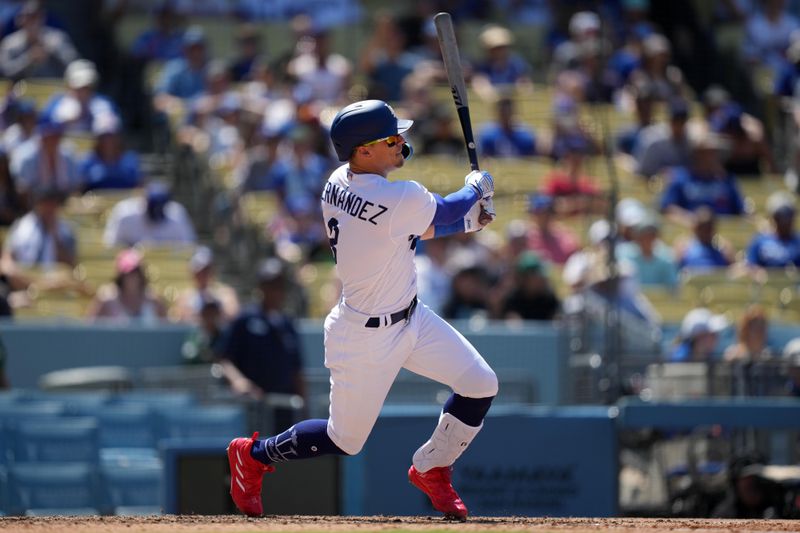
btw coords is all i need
(379, 326)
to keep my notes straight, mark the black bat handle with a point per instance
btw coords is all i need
(466, 126)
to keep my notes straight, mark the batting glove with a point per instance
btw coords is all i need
(482, 182)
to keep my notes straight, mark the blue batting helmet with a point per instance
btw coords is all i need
(363, 122)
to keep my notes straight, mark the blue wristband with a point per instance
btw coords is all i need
(454, 206)
(443, 230)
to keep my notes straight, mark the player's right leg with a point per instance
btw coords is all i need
(363, 364)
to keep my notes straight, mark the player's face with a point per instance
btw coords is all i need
(389, 151)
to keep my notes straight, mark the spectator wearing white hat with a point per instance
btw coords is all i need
(584, 26)
(501, 68)
(699, 336)
(189, 305)
(109, 165)
(35, 50)
(79, 106)
(779, 248)
(653, 260)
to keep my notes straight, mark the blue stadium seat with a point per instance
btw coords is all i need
(49, 489)
(224, 422)
(158, 399)
(134, 490)
(75, 403)
(22, 410)
(56, 440)
(126, 426)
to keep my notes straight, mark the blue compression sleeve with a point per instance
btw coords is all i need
(454, 206)
(449, 229)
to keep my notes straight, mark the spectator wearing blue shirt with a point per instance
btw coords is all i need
(699, 336)
(109, 165)
(260, 350)
(705, 250)
(628, 138)
(78, 107)
(185, 77)
(501, 67)
(248, 43)
(780, 248)
(164, 41)
(704, 183)
(506, 137)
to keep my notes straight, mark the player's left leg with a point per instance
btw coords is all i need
(443, 354)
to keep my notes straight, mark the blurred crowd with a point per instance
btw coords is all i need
(705, 113)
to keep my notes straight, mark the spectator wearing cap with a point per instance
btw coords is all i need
(35, 50)
(248, 50)
(128, 298)
(552, 241)
(154, 219)
(652, 260)
(80, 105)
(705, 182)
(573, 191)
(260, 351)
(584, 26)
(42, 238)
(501, 68)
(164, 40)
(699, 336)
(202, 342)
(657, 69)
(45, 162)
(662, 146)
(185, 77)
(109, 165)
(205, 287)
(21, 126)
(506, 136)
(628, 212)
(532, 297)
(747, 153)
(706, 249)
(779, 248)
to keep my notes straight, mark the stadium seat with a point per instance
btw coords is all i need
(125, 426)
(50, 489)
(12, 413)
(224, 422)
(56, 440)
(157, 399)
(134, 490)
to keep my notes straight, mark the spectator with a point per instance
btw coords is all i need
(747, 147)
(662, 146)
(80, 106)
(502, 69)
(36, 50)
(256, 170)
(653, 261)
(203, 340)
(162, 42)
(189, 304)
(583, 26)
(551, 240)
(706, 250)
(791, 354)
(437, 135)
(629, 212)
(260, 350)
(704, 183)
(300, 172)
(109, 165)
(185, 77)
(433, 276)
(22, 127)
(42, 238)
(751, 338)
(129, 298)
(506, 137)
(658, 70)
(248, 43)
(596, 80)
(321, 74)
(781, 247)
(11, 204)
(698, 338)
(573, 191)
(45, 162)
(629, 138)
(789, 73)
(154, 219)
(768, 34)
(567, 124)
(469, 294)
(532, 297)
(385, 60)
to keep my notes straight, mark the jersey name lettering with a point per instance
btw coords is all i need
(352, 204)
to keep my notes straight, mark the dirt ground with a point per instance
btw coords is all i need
(271, 524)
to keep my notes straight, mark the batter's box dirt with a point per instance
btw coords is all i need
(273, 524)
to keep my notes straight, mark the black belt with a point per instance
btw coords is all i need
(405, 314)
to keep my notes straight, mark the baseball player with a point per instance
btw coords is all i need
(379, 326)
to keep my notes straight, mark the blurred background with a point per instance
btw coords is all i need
(165, 269)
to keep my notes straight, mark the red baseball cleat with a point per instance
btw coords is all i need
(246, 476)
(437, 484)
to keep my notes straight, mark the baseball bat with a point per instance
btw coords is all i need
(455, 75)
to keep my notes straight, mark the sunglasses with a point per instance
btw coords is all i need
(391, 140)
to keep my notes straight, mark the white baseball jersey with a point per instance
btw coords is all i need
(373, 225)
